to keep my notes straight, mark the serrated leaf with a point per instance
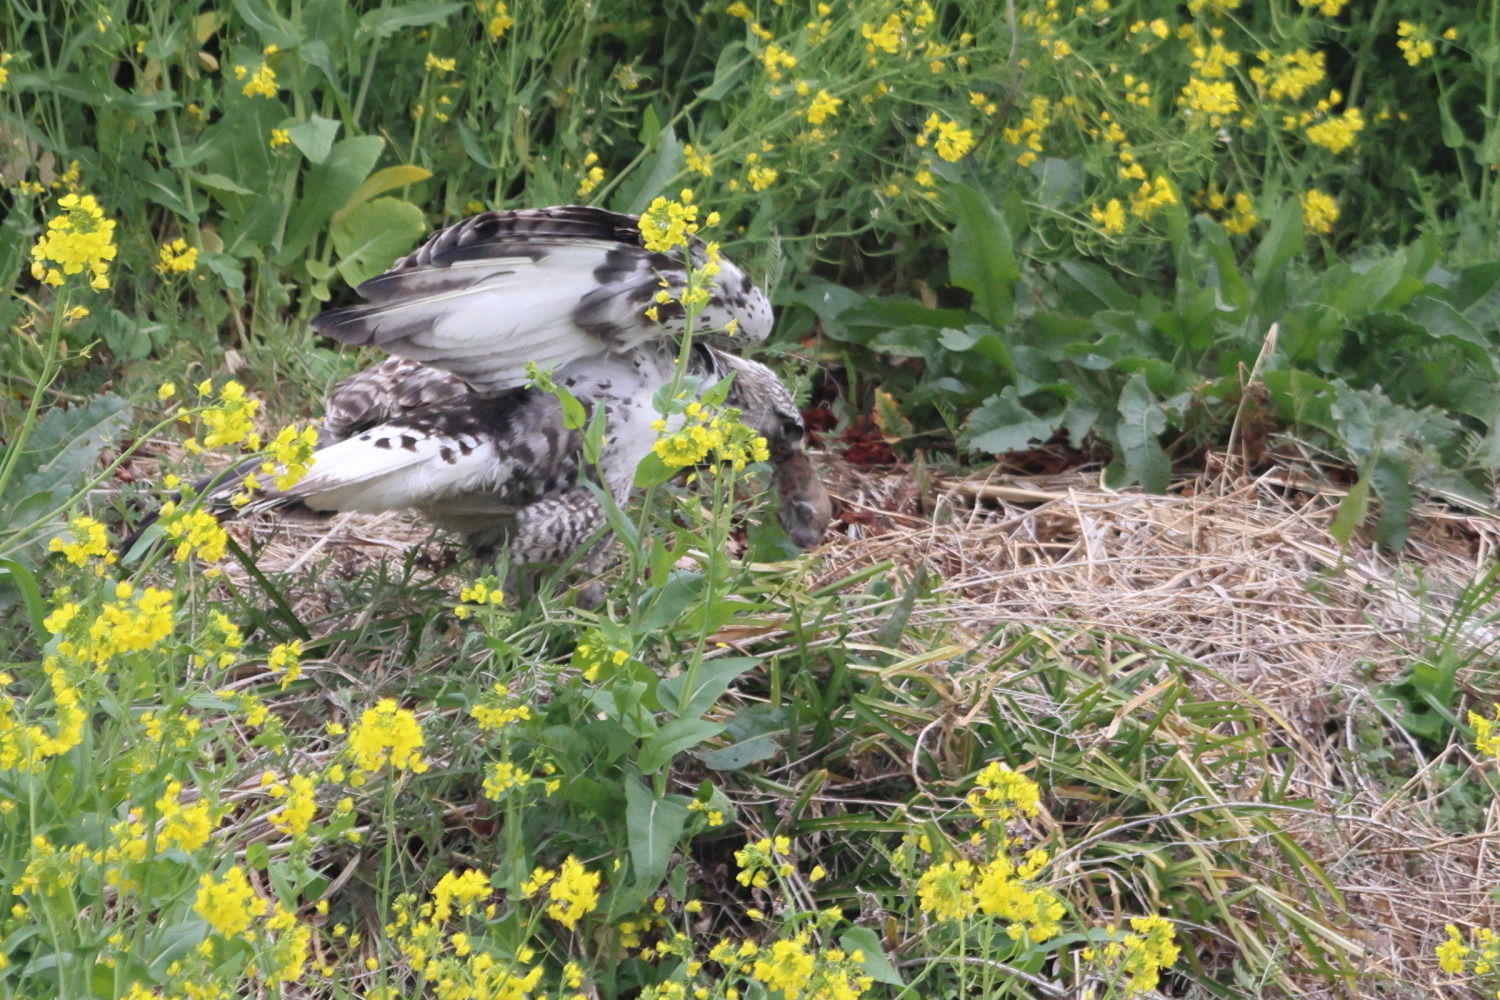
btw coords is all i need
(314, 137)
(374, 234)
(64, 447)
(981, 256)
(1004, 424)
(1141, 425)
(889, 419)
(327, 189)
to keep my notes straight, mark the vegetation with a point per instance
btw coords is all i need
(1139, 230)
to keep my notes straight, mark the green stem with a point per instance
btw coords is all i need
(51, 365)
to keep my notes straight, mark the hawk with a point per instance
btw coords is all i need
(448, 424)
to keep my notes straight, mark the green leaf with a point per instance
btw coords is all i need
(64, 447)
(1352, 511)
(671, 739)
(1282, 240)
(652, 828)
(328, 188)
(1142, 423)
(981, 257)
(387, 21)
(382, 181)
(31, 595)
(314, 137)
(218, 182)
(752, 737)
(709, 681)
(1391, 481)
(1004, 424)
(876, 965)
(727, 72)
(372, 235)
(634, 195)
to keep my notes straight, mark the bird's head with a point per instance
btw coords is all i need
(804, 508)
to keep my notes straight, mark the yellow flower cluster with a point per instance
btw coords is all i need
(697, 161)
(5, 58)
(706, 433)
(387, 734)
(1150, 196)
(1453, 954)
(1140, 955)
(1240, 216)
(132, 623)
(497, 19)
(1212, 99)
(86, 540)
(298, 798)
(758, 175)
(1486, 733)
(952, 142)
(497, 710)
(667, 225)
(77, 239)
(229, 421)
(595, 653)
(291, 454)
(196, 532)
(1028, 132)
(762, 859)
(262, 81)
(285, 658)
(572, 890)
(176, 257)
(593, 174)
(1001, 795)
(1110, 218)
(182, 827)
(1336, 133)
(960, 890)
(1319, 211)
(1415, 42)
(25, 747)
(824, 106)
(229, 905)
(483, 593)
(278, 137)
(1328, 8)
(1287, 75)
(437, 64)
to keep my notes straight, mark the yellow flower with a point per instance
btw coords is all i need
(785, 967)
(944, 890)
(285, 659)
(1337, 133)
(1110, 218)
(88, 541)
(1150, 196)
(1319, 211)
(1149, 950)
(1211, 98)
(182, 827)
(435, 64)
(572, 890)
(1451, 953)
(81, 237)
(1486, 737)
(760, 177)
(196, 532)
(291, 454)
(698, 162)
(387, 734)
(176, 257)
(1414, 41)
(499, 22)
(1328, 8)
(1288, 75)
(228, 904)
(299, 805)
(887, 37)
(666, 225)
(824, 105)
(5, 57)
(262, 82)
(1001, 794)
(278, 138)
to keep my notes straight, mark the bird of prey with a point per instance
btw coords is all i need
(448, 424)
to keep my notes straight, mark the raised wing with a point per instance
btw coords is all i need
(553, 286)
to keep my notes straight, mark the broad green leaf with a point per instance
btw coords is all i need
(1141, 425)
(635, 194)
(1282, 241)
(876, 965)
(652, 828)
(24, 581)
(382, 181)
(314, 137)
(752, 736)
(733, 59)
(388, 20)
(218, 182)
(64, 447)
(981, 257)
(372, 235)
(327, 189)
(709, 682)
(672, 739)
(1390, 479)
(681, 590)
(1004, 424)
(1100, 284)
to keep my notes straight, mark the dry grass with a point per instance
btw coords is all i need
(1242, 583)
